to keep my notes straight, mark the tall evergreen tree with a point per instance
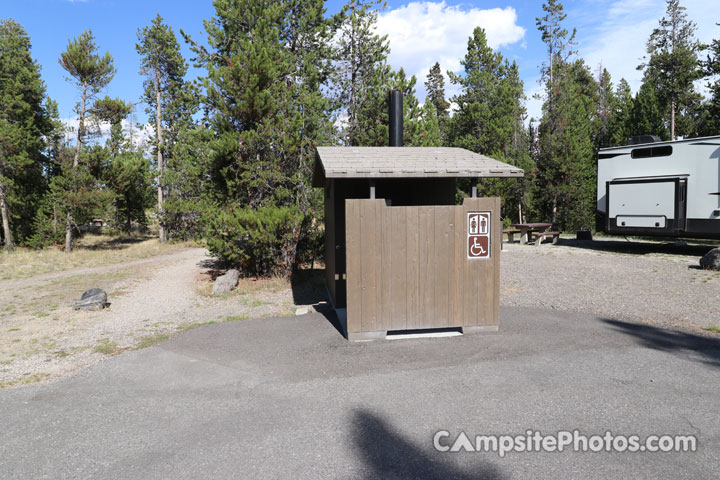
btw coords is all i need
(646, 114)
(604, 111)
(490, 115)
(489, 99)
(422, 127)
(620, 117)
(112, 111)
(267, 69)
(711, 68)
(564, 183)
(126, 173)
(419, 128)
(24, 121)
(435, 86)
(555, 36)
(673, 66)
(90, 73)
(362, 75)
(164, 69)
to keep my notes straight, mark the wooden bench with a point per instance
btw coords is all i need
(538, 237)
(511, 234)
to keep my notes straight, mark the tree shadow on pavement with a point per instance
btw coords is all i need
(387, 454)
(705, 349)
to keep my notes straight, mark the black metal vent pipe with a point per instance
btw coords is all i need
(396, 118)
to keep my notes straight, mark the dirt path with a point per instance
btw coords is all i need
(149, 299)
(8, 287)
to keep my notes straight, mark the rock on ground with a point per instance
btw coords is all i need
(93, 299)
(226, 283)
(711, 259)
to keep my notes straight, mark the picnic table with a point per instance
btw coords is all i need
(526, 228)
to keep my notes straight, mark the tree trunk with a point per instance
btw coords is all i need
(554, 210)
(68, 234)
(7, 233)
(76, 161)
(81, 126)
(672, 120)
(158, 123)
(520, 215)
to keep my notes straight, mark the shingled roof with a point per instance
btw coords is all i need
(405, 162)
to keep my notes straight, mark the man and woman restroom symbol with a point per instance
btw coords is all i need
(478, 234)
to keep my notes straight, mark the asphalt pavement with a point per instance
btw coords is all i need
(291, 398)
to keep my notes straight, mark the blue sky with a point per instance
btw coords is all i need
(611, 32)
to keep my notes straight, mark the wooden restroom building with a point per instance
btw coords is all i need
(400, 253)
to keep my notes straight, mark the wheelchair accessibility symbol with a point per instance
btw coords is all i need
(478, 228)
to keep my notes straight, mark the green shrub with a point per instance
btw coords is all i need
(261, 242)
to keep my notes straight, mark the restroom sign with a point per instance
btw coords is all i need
(478, 234)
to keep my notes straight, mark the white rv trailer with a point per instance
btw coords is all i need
(660, 188)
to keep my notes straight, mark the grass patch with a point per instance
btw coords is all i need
(150, 340)
(713, 329)
(25, 380)
(106, 347)
(14, 330)
(254, 302)
(91, 250)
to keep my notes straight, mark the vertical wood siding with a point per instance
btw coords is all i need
(407, 267)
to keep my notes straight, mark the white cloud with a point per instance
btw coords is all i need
(141, 134)
(422, 33)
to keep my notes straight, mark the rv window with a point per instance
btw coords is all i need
(648, 152)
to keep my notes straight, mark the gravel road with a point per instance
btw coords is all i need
(652, 283)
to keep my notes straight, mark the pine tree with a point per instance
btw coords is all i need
(435, 86)
(126, 173)
(112, 111)
(490, 116)
(604, 110)
(419, 127)
(620, 118)
(489, 100)
(24, 121)
(710, 124)
(422, 127)
(164, 68)
(267, 70)
(673, 63)
(646, 115)
(362, 75)
(90, 73)
(564, 182)
(555, 36)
